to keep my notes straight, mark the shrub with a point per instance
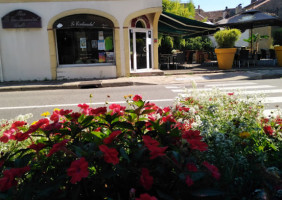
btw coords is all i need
(226, 38)
(101, 153)
(199, 43)
(242, 142)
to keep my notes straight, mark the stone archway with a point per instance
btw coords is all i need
(52, 42)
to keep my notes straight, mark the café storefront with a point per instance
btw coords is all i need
(52, 39)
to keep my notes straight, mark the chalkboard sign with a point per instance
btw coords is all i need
(21, 19)
(83, 21)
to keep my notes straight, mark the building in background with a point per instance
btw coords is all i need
(77, 39)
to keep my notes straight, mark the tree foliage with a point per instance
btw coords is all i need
(175, 7)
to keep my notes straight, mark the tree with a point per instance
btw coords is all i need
(175, 7)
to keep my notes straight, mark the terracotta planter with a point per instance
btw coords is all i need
(278, 51)
(225, 57)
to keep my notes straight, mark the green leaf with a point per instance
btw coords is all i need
(202, 193)
(125, 125)
(164, 196)
(23, 161)
(147, 111)
(197, 175)
(140, 124)
(176, 155)
(87, 120)
(139, 103)
(124, 154)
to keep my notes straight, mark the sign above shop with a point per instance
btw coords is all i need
(21, 19)
(83, 21)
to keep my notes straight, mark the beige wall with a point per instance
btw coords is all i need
(29, 54)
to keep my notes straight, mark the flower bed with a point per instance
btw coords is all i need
(200, 147)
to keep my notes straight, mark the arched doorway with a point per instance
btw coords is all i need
(141, 53)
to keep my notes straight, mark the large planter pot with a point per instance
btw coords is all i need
(278, 51)
(225, 57)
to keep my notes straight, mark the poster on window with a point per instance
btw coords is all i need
(94, 44)
(101, 35)
(83, 43)
(110, 57)
(102, 57)
(101, 44)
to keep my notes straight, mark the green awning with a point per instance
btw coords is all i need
(175, 25)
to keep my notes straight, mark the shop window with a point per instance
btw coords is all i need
(84, 39)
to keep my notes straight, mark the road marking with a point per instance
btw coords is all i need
(272, 100)
(224, 88)
(171, 87)
(75, 104)
(230, 84)
(271, 112)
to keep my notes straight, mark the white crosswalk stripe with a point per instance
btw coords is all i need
(244, 88)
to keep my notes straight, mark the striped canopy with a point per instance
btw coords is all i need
(175, 25)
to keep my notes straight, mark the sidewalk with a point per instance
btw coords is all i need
(185, 76)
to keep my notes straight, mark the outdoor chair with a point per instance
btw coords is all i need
(272, 55)
(210, 59)
(179, 59)
(263, 54)
(244, 57)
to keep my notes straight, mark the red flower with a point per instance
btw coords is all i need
(8, 135)
(137, 98)
(117, 109)
(75, 116)
(146, 179)
(146, 196)
(40, 124)
(156, 151)
(213, 169)
(57, 147)
(53, 127)
(230, 94)
(192, 167)
(98, 111)
(268, 130)
(78, 170)
(64, 112)
(21, 136)
(111, 137)
(194, 139)
(152, 145)
(189, 181)
(192, 135)
(168, 118)
(166, 109)
(18, 124)
(149, 141)
(83, 106)
(8, 180)
(37, 147)
(198, 145)
(110, 154)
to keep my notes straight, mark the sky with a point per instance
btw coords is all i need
(211, 5)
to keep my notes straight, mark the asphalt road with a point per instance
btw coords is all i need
(13, 104)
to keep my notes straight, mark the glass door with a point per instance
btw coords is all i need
(140, 50)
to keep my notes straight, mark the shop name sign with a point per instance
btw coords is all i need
(21, 19)
(82, 21)
(82, 24)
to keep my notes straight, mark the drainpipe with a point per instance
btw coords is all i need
(1, 70)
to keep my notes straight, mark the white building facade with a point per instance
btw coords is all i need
(76, 39)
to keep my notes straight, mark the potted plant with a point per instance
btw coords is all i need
(277, 42)
(256, 38)
(225, 52)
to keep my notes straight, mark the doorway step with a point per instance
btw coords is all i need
(155, 72)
